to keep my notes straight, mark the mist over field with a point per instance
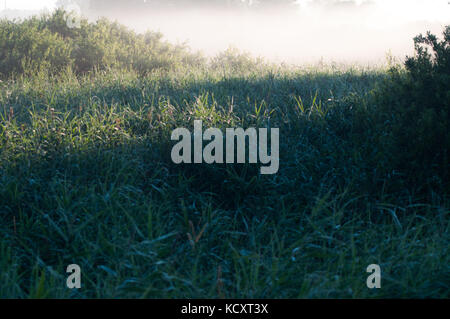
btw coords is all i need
(93, 178)
(299, 32)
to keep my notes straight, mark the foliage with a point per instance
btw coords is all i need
(234, 60)
(48, 43)
(86, 175)
(415, 109)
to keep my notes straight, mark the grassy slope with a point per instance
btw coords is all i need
(86, 178)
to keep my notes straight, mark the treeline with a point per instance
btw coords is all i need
(50, 43)
(104, 6)
(112, 5)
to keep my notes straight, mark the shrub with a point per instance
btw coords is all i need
(232, 59)
(415, 109)
(26, 47)
(47, 43)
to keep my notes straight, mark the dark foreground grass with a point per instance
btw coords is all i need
(86, 178)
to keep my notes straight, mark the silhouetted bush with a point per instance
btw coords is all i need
(414, 104)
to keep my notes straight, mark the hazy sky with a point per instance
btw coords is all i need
(307, 32)
(408, 9)
(28, 4)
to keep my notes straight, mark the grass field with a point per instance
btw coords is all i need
(86, 178)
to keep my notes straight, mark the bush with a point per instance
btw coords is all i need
(26, 47)
(415, 108)
(232, 59)
(47, 43)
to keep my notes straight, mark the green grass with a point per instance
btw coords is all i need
(86, 178)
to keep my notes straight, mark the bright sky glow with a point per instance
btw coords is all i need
(28, 4)
(412, 10)
(339, 33)
(397, 10)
